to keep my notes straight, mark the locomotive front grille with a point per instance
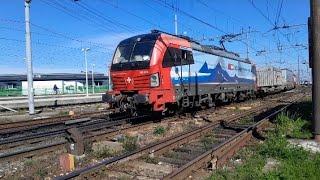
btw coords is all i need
(135, 82)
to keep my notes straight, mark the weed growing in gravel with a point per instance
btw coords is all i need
(151, 160)
(98, 106)
(129, 143)
(41, 172)
(103, 152)
(294, 162)
(63, 113)
(88, 147)
(246, 120)
(159, 131)
(30, 162)
(207, 141)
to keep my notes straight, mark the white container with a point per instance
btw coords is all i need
(288, 78)
(269, 77)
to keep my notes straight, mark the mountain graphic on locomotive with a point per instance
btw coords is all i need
(161, 72)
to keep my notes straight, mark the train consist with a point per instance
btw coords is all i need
(161, 72)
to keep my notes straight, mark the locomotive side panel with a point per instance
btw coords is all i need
(211, 69)
(211, 74)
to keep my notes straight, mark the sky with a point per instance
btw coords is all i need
(61, 28)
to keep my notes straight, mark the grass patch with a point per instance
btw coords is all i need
(293, 126)
(103, 152)
(246, 120)
(35, 169)
(294, 162)
(207, 141)
(159, 131)
(151, 160)
(129, 143)
(63, 113)
(41, 172)
(30, 162)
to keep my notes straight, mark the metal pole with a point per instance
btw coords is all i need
(29, 57)
(93, 84)
(109, 78)
(315, 32)
(299, 70)
(86, 63)
(176, 24)
(247, 44)
(87, 85)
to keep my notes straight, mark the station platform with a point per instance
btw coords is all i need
(49, 101)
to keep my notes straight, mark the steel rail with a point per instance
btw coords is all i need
(11, 127)
(86, 126)
(28, 152)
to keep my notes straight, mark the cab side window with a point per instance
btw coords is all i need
(177, 57)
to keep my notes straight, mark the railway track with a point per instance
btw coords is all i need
(184, 152)
(18, 126)
(34, 144)
(94, 131)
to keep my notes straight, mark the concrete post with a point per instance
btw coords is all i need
(92, 75)
(85, 50)
(176, 24)
(29, 57)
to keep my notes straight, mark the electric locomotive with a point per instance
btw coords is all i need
(161, 72)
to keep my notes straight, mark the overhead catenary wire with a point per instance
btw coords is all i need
(165, 4)
(132, 14)
(98, 14)
(82, 18)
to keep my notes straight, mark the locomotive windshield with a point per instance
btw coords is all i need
(140, 51)
(132, 56)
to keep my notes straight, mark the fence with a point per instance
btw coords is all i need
(49, 91)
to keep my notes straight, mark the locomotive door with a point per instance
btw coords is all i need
(180, 59)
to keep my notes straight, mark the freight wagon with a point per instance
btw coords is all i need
(289, 79)
(272, 79)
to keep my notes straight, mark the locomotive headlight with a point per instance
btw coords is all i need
(154, 80)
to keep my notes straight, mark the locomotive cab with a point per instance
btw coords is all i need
(137, 76)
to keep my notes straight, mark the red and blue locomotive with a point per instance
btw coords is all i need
(161, 72)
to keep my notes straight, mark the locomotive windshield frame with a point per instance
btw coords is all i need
(134, 53)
